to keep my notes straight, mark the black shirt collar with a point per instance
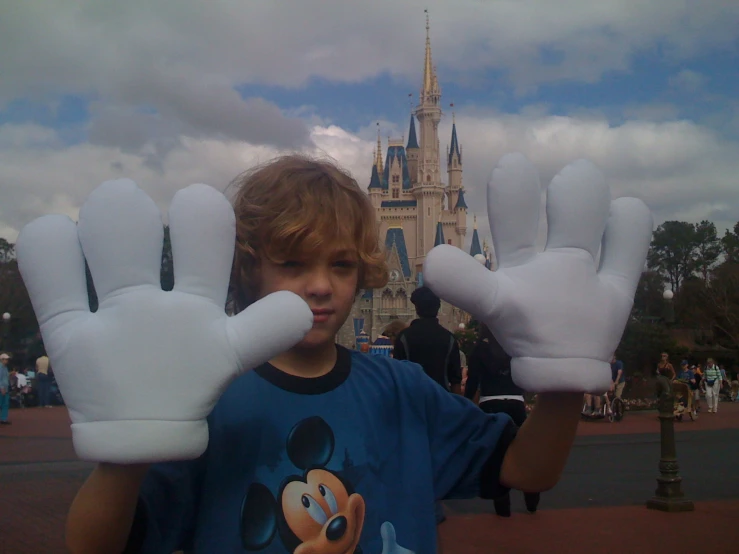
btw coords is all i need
(309, 385)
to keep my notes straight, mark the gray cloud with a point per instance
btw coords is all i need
(107, 46)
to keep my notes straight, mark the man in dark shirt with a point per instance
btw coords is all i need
(428, 344)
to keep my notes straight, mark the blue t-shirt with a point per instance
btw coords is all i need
(615, 366)
(348, 460)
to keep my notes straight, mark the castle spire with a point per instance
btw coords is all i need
(430, 82)
(454, 149)
(378, 152)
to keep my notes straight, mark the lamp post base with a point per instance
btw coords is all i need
(670, 504)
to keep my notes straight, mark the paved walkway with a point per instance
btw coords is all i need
(39, 476)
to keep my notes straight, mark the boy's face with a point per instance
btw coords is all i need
(327, 281)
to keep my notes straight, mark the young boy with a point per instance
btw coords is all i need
(321, 450)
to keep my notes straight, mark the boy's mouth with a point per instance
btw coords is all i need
(320, 316)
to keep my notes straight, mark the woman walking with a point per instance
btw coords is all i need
(489, 370)
(712, 379)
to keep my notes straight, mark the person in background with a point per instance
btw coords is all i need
(712, 379)
(4, 389)
(489, 371)
(430, 345)
(664, 367)
(617, 376)
(43, 380)
(734, 376)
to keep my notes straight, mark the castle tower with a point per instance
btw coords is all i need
(428, 191)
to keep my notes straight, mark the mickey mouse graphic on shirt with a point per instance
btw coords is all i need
(317, 512)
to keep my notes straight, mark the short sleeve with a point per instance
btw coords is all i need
(167, 508)
(467, 445)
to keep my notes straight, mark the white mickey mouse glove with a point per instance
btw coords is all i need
(142, 373)
(557, 314)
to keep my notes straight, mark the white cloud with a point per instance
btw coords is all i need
(682, 170)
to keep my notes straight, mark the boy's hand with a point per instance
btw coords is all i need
(558, 315)
(141, 374)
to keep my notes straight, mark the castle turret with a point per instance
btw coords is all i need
(454, 167)
(375, 187)
(439, 239)
(475, 248)
(412, 151)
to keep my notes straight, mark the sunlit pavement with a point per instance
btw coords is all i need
(599, 505)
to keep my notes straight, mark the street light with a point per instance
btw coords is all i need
(6, 324)
(462, 326)
(669, 307)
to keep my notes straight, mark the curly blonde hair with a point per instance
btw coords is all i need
(294, 206)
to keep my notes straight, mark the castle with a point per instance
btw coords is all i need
(416, 211)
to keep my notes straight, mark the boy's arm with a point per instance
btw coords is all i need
(136, 508)
(535, 459)
(473, 376)
(102, 513)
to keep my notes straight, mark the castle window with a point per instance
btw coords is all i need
(449, 241)
(396, 178)
(428, 178)
(396, 192)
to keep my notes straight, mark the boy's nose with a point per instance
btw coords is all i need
(319, 283)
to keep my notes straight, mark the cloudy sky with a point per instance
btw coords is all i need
(174, 92)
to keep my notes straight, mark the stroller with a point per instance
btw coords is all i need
(19, 395)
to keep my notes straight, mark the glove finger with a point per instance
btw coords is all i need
(514, 201)
(269, 327)
(625, 244)
(202, 228)
(51, 263)
(121, 232)
(460, 280)
(578, 203)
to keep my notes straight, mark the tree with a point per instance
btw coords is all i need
(730, 245)
(14, 299)
(721, 301)
(672, 252)
(648, 298)
(7, 251)
(641, 345)
(707, 248)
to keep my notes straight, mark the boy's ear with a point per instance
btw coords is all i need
(258, 518)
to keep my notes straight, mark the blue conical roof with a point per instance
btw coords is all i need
(454, 148)
(412, 141)
(475, 248)
(460, 201)
(439, 235)
(375, 179)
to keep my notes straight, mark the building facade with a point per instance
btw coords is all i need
(418, 207)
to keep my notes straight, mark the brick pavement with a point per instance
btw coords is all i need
(39, 477)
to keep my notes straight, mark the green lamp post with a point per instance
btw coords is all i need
(669, 496)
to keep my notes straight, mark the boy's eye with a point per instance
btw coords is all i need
(291, 263)
(346, 264)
